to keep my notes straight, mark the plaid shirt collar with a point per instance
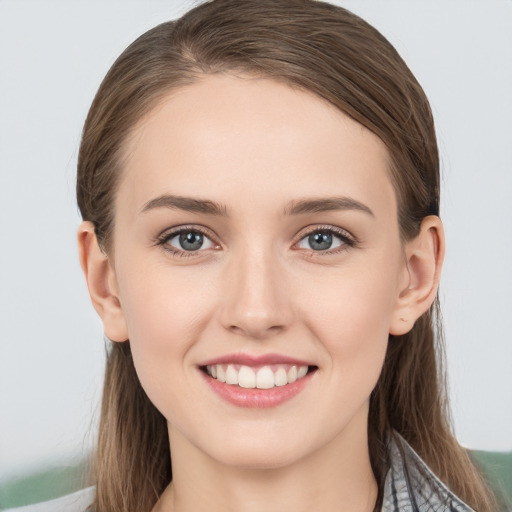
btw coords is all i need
(412, 487)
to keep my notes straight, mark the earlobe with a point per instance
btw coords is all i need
(424, 257)
(101, 282)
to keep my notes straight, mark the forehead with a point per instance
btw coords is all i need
(235, 136)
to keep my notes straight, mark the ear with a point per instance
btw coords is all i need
(101, 282)
(424, 257)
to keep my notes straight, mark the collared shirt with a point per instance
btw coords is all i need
(410, 487)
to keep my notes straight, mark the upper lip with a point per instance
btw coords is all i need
(261, 360)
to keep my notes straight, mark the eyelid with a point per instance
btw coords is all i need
(312, 228)
(347, 238)
(170, 233)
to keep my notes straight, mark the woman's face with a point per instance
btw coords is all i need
(256, 231)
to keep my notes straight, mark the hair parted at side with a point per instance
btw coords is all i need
(326, 50)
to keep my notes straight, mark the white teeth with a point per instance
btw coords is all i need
(280, 377)
(292, 374)
(264, 378)
(246, 377)
(221, 374)
(231, 375)
(301, 372)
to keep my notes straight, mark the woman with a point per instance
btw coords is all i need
(259, 183)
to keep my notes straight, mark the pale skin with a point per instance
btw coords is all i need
(258, 285)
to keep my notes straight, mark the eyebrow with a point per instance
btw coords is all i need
(327, 204)
(187, 204)
(296, 207)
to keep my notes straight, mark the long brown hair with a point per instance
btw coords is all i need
(336, 55)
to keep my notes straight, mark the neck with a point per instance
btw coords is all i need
(335, 478)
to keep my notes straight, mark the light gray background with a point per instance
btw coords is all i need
(53, 55)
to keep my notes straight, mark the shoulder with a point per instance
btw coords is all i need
(76, 502)
(411, 486)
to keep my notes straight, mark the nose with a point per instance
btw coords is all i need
(256, 302)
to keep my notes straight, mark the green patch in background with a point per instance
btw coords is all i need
(43, 485)
(497, 467)
(54, 482)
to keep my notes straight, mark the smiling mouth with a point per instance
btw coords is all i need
(263, 377)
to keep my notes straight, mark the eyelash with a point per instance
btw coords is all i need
(347, 240)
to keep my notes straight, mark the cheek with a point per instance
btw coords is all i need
(352, 321)
(165, 314)
(163, 325)
(161, 305)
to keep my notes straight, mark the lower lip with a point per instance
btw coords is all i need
(257, 398)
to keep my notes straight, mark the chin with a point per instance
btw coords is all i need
(257, 458)
(270, 448)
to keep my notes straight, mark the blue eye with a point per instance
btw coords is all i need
(186, 240)
(325, 240)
